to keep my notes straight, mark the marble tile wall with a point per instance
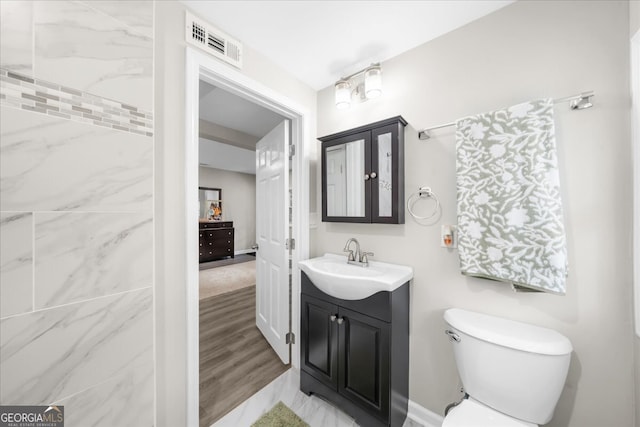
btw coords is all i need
(16, 36)
(21, 91)
(16, 263)
(76, 209)
(52, 164)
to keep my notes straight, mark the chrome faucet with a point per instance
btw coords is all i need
(351, 256)
(357, 258)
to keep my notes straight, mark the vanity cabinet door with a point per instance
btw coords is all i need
(319, 339)
(364, 361)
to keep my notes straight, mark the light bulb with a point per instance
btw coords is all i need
(373, 82)
(343, 94)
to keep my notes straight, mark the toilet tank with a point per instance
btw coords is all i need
(512, 367)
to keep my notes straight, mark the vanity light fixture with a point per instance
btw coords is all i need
(361, 86)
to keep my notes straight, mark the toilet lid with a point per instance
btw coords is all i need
(473, 414)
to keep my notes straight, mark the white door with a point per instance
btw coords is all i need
(272, 230)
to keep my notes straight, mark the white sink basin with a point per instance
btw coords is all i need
(333, 276)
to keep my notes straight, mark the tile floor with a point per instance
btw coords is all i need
(316, 412)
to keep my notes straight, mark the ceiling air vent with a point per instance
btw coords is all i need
(212, 40)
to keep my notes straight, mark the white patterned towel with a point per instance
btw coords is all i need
(510, 221)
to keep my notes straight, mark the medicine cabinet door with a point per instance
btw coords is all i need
(387, 175)
(346, 185)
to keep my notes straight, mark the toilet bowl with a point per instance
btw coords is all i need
(513, 372)
(472, 413)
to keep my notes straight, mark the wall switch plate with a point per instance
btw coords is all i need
(448, 236)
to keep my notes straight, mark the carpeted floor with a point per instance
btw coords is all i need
(220, 280)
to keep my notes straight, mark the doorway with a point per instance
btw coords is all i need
(202, 67)
(242, 349)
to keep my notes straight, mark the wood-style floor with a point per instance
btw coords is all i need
(235, 359)
(227, 261)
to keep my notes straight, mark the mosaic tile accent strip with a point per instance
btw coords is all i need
(24, 92)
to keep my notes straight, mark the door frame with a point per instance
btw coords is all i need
(198, 66)
(635, 143)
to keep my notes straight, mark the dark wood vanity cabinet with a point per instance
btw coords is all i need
(363, 173)
(216, 240)
(355, 353)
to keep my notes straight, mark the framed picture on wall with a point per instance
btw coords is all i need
(214, 210)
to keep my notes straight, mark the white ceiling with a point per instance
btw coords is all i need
(320, 41)
(226, 109)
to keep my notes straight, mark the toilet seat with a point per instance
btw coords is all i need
(471, 413)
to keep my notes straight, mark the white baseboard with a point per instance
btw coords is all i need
(423, 416)
(244, 251)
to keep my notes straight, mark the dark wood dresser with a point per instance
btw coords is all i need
(216, 240)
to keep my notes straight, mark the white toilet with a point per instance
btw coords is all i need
(513, 372)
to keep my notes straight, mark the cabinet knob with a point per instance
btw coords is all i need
(340, 320)
(373, 175)
(333, 318)
(366, 177)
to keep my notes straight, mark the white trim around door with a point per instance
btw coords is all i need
(635, 142)
(200, 66)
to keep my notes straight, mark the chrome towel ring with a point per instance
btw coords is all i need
(423, 193)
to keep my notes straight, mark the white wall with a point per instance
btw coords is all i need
(76, 227)
(238, 202)
(634, 16)
(170, 175)
(634, 28)
(218, 155)
(527, 50)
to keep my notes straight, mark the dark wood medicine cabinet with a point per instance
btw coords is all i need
(363, 173)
